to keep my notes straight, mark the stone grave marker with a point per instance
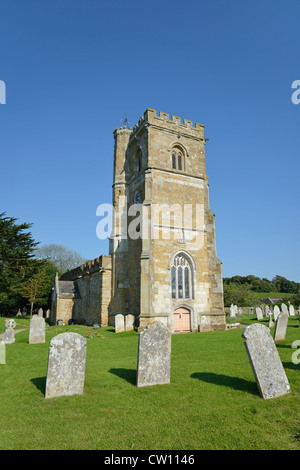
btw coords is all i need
(271, 323)
(276, 312)
(284, 309)
(129, 322)
(281, 326)
(291, 310)
(40, 312)
(259, 314)
(233, 310)
(9, 334)
(267, 367)
(2, 353)
(66, 365)
(37, 330)
(119, 323)
(154, 355)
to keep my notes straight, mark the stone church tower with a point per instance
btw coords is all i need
(162, 264)
(163, 247)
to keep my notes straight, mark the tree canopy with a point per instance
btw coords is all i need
(63, 258)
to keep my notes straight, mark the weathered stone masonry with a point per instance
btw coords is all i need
(174, 275)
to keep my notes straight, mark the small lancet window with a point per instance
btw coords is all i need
(177, 159)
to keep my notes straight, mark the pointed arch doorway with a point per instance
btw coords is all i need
(182, 320)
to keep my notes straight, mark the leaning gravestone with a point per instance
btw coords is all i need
(66, 365)
(259, 314)
(281, 326)
(265, 361)
(119, 323)
(154, 355)
(37, 330)
(9, 334)
(276, 312)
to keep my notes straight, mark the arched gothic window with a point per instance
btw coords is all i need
(181, 278)
(177, 159)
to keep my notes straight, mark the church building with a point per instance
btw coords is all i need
(162, 263)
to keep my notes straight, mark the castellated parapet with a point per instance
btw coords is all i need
(173, 124)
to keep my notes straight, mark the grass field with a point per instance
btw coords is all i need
(212, 401)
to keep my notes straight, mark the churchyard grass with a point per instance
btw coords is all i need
(212, 401)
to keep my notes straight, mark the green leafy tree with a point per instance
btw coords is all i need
(17, 262)
(239, 294)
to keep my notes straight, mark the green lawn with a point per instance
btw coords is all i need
(212, 401)
(262, 295)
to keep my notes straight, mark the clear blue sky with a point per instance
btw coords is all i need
(73, 68)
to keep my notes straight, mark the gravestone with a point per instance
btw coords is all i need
(66, 365)
(259, 314)
(233, 310)
(9, 334)
(265, 361)
(250, 310)
(284, 309)
(2, 353)
(271, 323)
(37, 329)
(40, 312)
(281, 326)
(291, 310)
(276, 312)
(19, 313)
(129, 322)
(119, 323)
(154, 355)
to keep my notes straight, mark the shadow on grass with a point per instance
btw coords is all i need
(126, 374)
(232, 382)
(40, 383)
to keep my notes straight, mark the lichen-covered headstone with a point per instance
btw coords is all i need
(281, 327)
(284, 308)
(276, 312)
(119, 323)
(9, 334)
(265, 361)
(129, 322)
(37, 330)
(66, 365)
(259, 314)
(154, 355)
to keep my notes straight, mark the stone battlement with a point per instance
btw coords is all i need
(101, 263)
(175, 123)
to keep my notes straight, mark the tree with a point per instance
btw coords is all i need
(34, 286)
(60, 256)
(17, 262)
(239, 294)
